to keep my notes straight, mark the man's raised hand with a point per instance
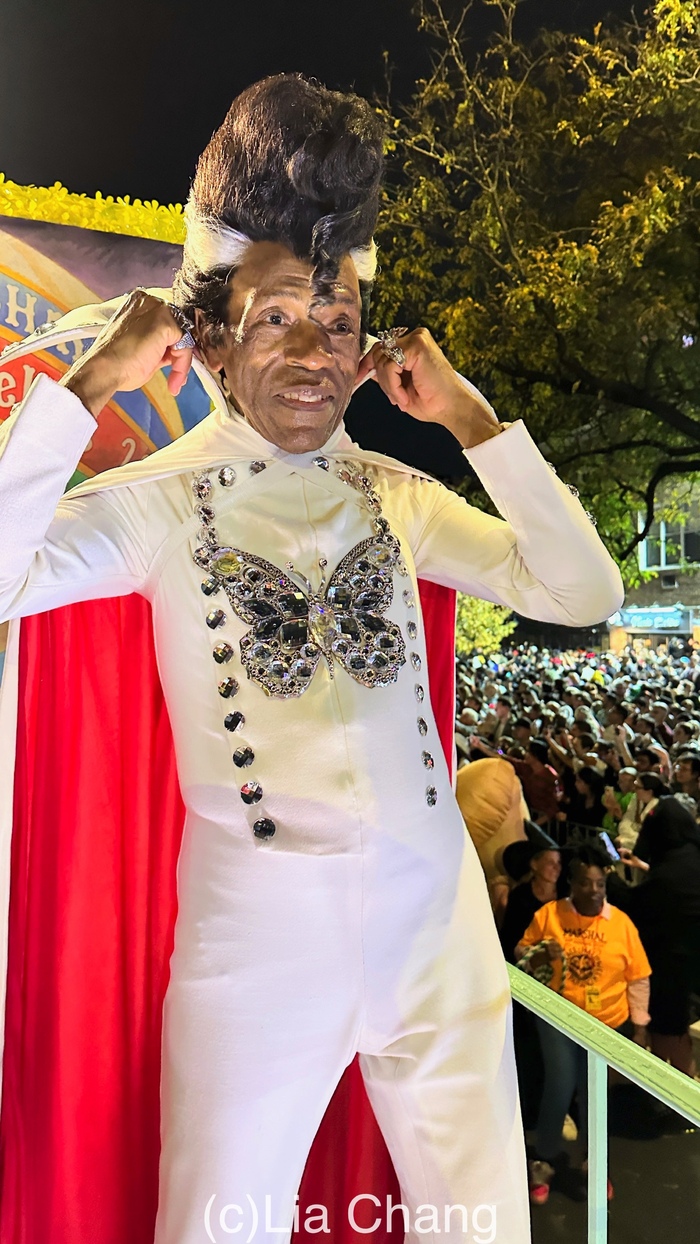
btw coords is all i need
(428, 388)
(128, 351)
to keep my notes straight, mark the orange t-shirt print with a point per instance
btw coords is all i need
(602, 956)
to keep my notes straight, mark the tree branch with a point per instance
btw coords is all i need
(615, 391)
(663, 470)
(611, 449)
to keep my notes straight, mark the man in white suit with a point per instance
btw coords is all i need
(329, 900)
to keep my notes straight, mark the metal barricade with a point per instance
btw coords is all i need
(606, 1048)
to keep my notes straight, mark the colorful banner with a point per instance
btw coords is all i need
(43, 274)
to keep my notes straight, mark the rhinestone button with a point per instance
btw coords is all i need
(264, 828)
(205, 514)
(223, 653)
(416, 661)
(422, 726)
(409, 599)
(217, 617)
(430, 796)
(228, 687)
(412, 630)
(227, 476)
(256, 467)
(210, 586)
(251, 792)
(243, 756)
(321, 462)
(234, 720)
(420, 693)
(202, 488)
(427, 759)
(202, 557)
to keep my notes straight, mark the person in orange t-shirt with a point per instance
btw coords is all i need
(606, 973)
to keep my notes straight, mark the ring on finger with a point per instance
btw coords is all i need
(187, 341)
(389, 346)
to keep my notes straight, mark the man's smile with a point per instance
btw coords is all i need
(305, 395)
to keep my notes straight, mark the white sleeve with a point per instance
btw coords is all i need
(543, 558)
(55, 549)
(638, 1000)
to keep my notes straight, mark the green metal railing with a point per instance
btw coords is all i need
(606, 1048)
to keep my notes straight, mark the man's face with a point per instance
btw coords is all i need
(279, 347)
(643, 764)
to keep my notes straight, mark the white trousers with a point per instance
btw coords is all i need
(285, 966)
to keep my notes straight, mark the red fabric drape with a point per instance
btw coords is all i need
(98, 820)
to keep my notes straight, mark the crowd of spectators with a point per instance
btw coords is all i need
(596, 739)
(606, 747)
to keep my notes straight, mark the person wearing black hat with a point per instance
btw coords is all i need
(535, 865)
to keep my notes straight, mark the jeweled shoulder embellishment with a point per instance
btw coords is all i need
(294, 627)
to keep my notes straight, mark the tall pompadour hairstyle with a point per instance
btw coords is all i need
(294, 163)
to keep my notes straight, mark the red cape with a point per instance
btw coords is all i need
(97, 825)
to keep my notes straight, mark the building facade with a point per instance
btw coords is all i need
(667, 605)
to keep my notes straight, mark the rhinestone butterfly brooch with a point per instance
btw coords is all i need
(293, 627)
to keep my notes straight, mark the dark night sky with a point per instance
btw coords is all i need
(122, 97)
